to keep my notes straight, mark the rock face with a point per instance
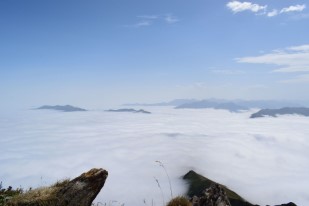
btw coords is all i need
(64, 108)
(286, 110)
(205, 192)
(198, 186)
(213, 196)
(80, 191)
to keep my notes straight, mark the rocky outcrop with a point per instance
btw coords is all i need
(198, 185)
(205, 192)
(80, 191)
(213, 196)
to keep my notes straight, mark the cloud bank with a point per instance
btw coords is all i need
(237, 6)
(170, 19)
(293, 8)
(266, 159)
(291, 59)
(148, 20)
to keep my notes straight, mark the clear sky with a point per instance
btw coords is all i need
(100, 53)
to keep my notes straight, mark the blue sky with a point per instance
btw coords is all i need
(102, 53)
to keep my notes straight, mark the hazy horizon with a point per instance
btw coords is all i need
(143, 104)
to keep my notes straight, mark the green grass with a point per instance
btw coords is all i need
(41, 196)
(8, 193)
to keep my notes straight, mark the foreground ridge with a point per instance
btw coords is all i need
(80, 191)
(205, 192)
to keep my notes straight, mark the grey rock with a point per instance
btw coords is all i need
(213, 196)
(80, 191)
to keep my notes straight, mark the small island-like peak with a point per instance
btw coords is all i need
(64, 108)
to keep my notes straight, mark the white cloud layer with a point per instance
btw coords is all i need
(148, 20)
(302, 48)
(171, 19)
(264, 160)
(237, 6)
(292, 59)
(293, 8)
(273, 13)
(140, 24)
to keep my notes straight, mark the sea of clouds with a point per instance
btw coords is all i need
(265, 160)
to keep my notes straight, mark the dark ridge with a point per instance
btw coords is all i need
(230, 106)
(129, 110)
(64, 108)
(283, 111)
(197, 184)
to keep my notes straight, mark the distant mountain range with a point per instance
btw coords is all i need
(286, 110)
(64, 108)
(230, 105)
(129, 110)
(267, 104)
(175, 102)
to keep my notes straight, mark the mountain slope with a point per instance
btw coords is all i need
(230, 106)
(198, 183)
(65, 108)
(129, 110)
(286, 110)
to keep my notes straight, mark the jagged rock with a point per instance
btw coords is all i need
(212, 196)
(80, 191)
(205, 192)
(198, 184)
(288, 204)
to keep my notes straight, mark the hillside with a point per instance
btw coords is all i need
(283, 111)
(64, 108)
(230, 106)
(129, 110)
(197, 185)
